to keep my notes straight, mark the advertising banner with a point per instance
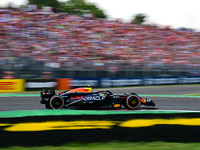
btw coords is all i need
(69, 83)
(39, 84)
(11, 85)
(140, 81)
(189, 80)
(120, 82)
(82, 82)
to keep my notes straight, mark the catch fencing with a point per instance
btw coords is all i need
(38, 73)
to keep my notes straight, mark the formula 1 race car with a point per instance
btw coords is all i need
(84, 98)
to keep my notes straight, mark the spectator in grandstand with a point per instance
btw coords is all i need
(68, 41)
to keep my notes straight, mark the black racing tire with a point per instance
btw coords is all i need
(133, 102)
(56, 102)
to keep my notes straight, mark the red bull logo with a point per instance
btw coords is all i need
(77, 97)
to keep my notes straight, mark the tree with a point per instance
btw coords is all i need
(52, 3)
(139, 19)
(80, 7)
(76, 7)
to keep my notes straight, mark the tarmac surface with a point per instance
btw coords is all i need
(166, 97)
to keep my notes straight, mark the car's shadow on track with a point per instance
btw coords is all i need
(148, 108)
(124, 109)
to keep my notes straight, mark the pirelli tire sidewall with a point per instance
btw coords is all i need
(57, 99)
(133, 102)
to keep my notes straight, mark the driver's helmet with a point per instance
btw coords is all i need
(88, 88)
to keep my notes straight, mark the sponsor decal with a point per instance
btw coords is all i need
(117, 105)
(7, 85)
(117, 97)
(11, 85)
(88, 98)
(96, 98)
(77, 97)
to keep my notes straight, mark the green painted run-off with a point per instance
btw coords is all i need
(29, 113)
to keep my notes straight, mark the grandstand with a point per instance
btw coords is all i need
(65, 45)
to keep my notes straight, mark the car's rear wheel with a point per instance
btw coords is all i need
(56, 102)
(133, 102)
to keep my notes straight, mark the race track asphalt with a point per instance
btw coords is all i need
(165, 98)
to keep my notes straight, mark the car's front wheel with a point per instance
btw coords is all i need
(133, 102)
(56, 102)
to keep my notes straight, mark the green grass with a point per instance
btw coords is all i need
(116, 146)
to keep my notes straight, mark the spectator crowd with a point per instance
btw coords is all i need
(60, 40)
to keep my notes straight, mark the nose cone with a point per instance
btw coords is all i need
(149, 102)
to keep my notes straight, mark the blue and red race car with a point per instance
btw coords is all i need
(84, 98)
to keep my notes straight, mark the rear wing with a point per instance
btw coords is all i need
(47, 93)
